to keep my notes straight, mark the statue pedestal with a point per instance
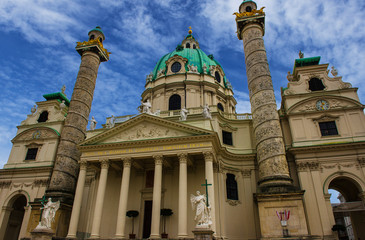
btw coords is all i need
(203, 234)
(42, 234)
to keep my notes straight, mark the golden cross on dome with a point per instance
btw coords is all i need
(190, 31)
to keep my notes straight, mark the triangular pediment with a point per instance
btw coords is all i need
(145, 127)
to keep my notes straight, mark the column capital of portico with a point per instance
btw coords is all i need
(208, 156)
(83, 164)
(158, 159)
(127, 161)
(104, 163)
(183, 157)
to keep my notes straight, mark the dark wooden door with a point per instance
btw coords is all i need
(147, 219)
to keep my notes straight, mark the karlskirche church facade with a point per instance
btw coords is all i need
(265, 174)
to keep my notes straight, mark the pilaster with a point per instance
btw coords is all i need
(183, 196)
(156, 202)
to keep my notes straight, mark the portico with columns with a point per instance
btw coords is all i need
(123, 181)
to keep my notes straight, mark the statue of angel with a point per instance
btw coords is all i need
(93, 123)
(110, 122)
(334, 71)
(49, 213)
(206, 112)
(202, 212)
(183, 114)
(146, 107)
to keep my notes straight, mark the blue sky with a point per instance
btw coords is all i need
(39, 38)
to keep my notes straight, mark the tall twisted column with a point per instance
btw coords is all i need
(273, 167)
(74, 221)
(66, 168)
(123, 199)
(156, 201)
(182, 231)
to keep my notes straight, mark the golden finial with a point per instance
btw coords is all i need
(190, 31)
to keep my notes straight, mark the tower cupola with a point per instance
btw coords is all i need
(190, 41)
(96, 33)
(247, 6)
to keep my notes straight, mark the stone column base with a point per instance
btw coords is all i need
(270, 225)
(42, 234)
(203, 234)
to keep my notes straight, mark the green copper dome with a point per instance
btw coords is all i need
(97, 28)
(194, 56)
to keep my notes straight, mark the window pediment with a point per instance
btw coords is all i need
(174, 61)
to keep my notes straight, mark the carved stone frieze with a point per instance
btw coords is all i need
(361, 161)
(5, 184)
(233, 202)
(250, 34)
(262, 98)
(270, 147)
(268, 130)
(275, 165)
(37, 134)
(261, 83)
(302, 166)
(246, 173)
(145, 131)
(257, 71)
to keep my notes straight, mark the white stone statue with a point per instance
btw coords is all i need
(183, 114)
(206, 112)
(149, 77)
(146, 107)
(34, 109)
(192, 68)
(202, 212)
(48, 214)
(205, 68)
(334, 71)
(211, 69)
(289, 77)
(63, 89)
(301, 54)
(93, 123)
(110, 122)
(62, 105)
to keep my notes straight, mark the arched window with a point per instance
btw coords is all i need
(194, 46)
(101, 40)
(92, 37)
(43, 117)
(188, 45)
(248, 9)
(316, 84)
(220, 107)
(217, 76)
(175, 102)
(231, 187)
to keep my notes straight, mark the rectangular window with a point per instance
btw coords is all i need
(150, 175)
(231, 187)
(328, 128)
(227, 138)
(31, 154)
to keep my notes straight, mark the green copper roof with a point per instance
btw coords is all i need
(195, 56)
(97, 28)
(58, 96)
(302, 62)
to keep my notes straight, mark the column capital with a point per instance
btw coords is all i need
(83, 164)
(127, 161)
(327, 196)
(183, 157)
(208, 156)
(104, 163)
(158, 159)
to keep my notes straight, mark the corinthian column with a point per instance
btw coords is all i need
(98, 211)
(66, 168)
(77, 202)
(123, 199)
(273, 167)
(209, 175)
(156, 202)
(183, 197)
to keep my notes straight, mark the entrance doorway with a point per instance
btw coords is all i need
(349, 211)
(147, 219)
(15, 218)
